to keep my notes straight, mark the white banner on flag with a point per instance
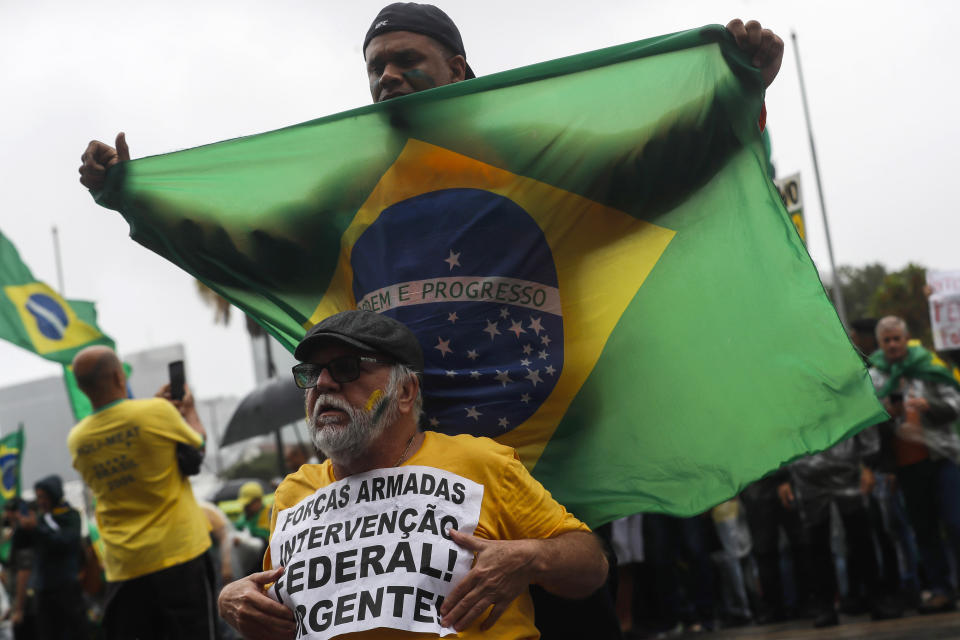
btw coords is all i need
(945, 308)
(374, 550)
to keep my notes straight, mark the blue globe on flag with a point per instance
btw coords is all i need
(51, 318)
(472, 275)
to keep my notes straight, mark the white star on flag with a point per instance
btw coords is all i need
(475, 375)
(452, 317)
(503, 422)
(533, 375)
(542, 355)
(443, 346)
(525, 398)
(545, 339)
(434, 423)
(517, 328)
(473, 413)
(527, 349)
(535, 325)
(503, 377)
(472, 354)
(451, 373)
(492, 329)
(524, 363)
(453, 260)
(550, 370)
(504, 312)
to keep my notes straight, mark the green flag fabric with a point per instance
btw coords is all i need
(597, 265)
(919, 363)
(37, 318)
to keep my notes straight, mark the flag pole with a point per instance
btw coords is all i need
(56, 255)
(837, 289)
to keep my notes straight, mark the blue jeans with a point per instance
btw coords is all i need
(931, 491)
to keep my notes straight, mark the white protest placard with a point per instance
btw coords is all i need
(945, 308)
(374, 550)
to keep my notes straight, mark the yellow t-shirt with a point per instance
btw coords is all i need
(515, 506)
(146, 512)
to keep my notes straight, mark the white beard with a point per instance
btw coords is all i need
(344, 443)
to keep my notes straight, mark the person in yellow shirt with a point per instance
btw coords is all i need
(256, 517)
(155, 536)
(402, 533)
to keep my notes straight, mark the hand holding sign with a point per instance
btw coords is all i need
(502, 572)
(246, 607)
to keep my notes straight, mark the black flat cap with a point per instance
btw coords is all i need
(365, 330)
(424, 19)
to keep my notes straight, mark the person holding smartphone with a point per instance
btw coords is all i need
(159, 576)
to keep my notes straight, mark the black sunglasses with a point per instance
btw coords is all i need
(342, 369)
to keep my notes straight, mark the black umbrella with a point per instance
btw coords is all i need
(274, 404)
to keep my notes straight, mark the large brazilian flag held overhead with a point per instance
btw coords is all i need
(599, 270)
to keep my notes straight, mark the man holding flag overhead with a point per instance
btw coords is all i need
(570, 242)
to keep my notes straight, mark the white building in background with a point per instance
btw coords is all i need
(44, 410)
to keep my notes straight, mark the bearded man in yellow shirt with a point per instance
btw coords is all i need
(154, 534)
(402, 533)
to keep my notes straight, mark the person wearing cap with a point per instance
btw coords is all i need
(255, 520)
(410, 47)
(159, 576)
(361, 372)
(256, 517)
(58, 553)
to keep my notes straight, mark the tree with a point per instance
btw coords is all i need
(859, 285)
(221, 309)
(902, 294)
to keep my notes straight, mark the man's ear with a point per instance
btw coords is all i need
(120, 378)
(408, 393)
(458, 68)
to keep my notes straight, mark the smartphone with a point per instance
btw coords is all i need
(177, 379)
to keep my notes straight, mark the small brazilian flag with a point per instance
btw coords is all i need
(11, 453)
(591, 252)
(35, 317)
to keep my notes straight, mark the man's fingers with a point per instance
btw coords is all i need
(465, 540)
(495, 614)
(762, 54)
(738, 31)
(263, 578)
(459, 592)
(464, 615)
(123, 151)
(91, 155)
(754, 33)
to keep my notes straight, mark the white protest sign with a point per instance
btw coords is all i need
(374, 550)
(945, 308)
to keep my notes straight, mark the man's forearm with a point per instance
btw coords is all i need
(192, 418)
(572, 565)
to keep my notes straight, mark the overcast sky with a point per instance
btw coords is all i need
(177, 74)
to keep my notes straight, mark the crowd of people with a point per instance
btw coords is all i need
(868, 526)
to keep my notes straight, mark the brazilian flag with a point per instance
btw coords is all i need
(590, 250)
(11, 453)
(37, 318)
